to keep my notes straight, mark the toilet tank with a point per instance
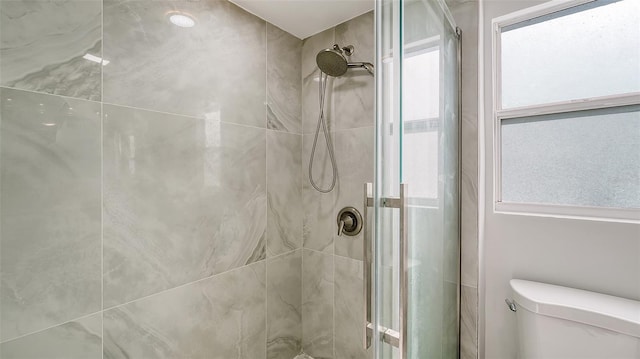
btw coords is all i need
(557, 322)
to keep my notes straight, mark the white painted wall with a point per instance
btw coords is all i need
(592, 255)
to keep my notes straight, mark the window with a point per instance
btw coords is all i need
(421, 121)
(567, 109)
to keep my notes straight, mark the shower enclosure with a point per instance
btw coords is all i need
(153, 197)
(412, 258)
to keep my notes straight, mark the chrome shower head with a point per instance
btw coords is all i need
(332, 61)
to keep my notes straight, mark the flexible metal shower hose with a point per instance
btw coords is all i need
(322, 87)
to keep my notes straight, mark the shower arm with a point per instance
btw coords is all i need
(364, 65)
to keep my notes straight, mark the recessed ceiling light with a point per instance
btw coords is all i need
(182, 19)
(48, 124)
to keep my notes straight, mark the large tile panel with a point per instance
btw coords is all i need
(310, 80)
(319, 223)
(354, 93)
(50, 210)
(222, 317)
(42, 44)
(284, 305)
(348, 306)
(319, 208)
(215, 69)
(78, 339)
(469, 323)
(317, 304)
(284, 54)
(466, 15)
(184, 199)
(355, 166)
(284, 192)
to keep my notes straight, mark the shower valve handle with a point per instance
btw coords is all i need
(340, 227)
(349, 221)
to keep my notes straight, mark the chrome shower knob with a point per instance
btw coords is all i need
(349, 221)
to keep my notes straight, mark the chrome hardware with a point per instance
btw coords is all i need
(349, 221)
(511, 304)
(387, 335)
(390, 336)
(366, 263)
(404, 273)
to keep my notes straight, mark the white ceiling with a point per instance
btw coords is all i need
(304, 18)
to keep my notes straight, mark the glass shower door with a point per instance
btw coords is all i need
(415, 199)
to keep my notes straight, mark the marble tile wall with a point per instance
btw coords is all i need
(466, 13)
(169, 184)
(179, 322)
(351, 119)
(151, 204)
(50, 202)
(43, 44)
(284, 305)
(332, 264)
(215, 69)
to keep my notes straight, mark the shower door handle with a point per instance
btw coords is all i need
(403, 265)
(366, 263)
(395, 338)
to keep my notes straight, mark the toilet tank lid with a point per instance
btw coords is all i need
(605, 311)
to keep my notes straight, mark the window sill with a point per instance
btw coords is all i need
(623, 215)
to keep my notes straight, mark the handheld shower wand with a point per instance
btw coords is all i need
(331, 62)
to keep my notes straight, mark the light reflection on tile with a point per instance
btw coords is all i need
(184, 199)
(42, 44)
(50, 210)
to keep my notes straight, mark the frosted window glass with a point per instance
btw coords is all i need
(586, 158)
(421, 120)
(583, 52)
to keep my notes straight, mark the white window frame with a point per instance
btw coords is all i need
(547, 210)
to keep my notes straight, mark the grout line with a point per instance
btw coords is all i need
(347, 257)
(102, 185)
(333, 287)
(340, 130)
(317, 251)
(266, 188)
(184, 285)
(302, 299)
(102, 220)
(0, 222)
(278, 256)
(135, 300)
(50, 94)
(285, 132)
(51, 327)
(180, 115)
(135, 108)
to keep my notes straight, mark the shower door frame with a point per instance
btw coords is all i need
(373, 194)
